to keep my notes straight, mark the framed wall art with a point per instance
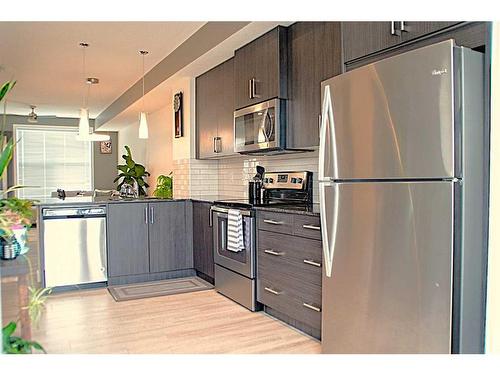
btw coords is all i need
(106, 147)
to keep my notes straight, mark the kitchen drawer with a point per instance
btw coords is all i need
(307, 226)
(276, 222)
(293, 248)
(272, 293)
(303, 283)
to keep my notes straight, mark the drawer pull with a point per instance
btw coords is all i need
(273, 222)
(312, 263)
(311, 307)
(272, 252)
(309, 226)
(272, 291)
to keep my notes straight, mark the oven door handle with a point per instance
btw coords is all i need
(226, 210)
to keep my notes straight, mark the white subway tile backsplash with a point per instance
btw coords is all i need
(229, 177)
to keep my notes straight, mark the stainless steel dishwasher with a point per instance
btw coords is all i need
(74, 243)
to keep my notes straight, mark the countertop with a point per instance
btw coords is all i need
(310, 209)
(103, 200)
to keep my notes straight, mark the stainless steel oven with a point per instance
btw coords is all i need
(235, 271)
(260, 127)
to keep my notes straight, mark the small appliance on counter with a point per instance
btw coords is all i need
(255, 186)
(235, 272)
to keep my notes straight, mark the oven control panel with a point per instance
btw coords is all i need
(285, 180)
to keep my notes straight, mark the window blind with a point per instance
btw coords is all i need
(48, 158)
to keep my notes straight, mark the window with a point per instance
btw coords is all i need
(48, 158)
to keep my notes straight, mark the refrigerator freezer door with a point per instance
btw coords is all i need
(393, 119)
(391, 282)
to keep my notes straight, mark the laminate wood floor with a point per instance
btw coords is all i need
(199, 322)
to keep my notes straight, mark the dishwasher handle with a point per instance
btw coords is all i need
(73, 212)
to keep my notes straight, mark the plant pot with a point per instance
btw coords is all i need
(9, 249)
(21, 235)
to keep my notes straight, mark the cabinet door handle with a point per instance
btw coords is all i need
(254, 89)
(272, 252)
(217, 144)
(272, 291)
(152, 214)
(403, 27)
(273, 222)
(250, 88)
(393, 28)
(312, 263)
(312, 307)
(309, 226)
(146, 214)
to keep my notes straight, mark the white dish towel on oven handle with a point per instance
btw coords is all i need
(235, 240)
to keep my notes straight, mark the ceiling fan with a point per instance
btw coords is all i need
(32, 116)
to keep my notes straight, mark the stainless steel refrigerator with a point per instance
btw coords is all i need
(401, 184)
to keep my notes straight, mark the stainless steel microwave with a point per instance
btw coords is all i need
(260, 128)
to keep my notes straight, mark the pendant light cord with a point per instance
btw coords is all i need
(87, 91)
(143, 53)
(143, 57)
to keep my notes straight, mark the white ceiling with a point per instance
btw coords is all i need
(161, 94)
(46, 61)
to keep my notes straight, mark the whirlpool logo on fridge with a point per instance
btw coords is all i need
(439, 72)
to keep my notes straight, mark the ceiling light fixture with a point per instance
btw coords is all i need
(32, 116)
(84, 133)
(143, 123)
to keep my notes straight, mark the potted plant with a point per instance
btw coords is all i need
(164, 186)
(16, 215)
(132, 173)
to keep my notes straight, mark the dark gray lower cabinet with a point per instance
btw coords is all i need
(128, 250)
(168, 239)
(148, 238)
(289, 261)
(203, 240)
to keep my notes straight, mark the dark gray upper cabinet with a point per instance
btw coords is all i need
(214, 112)
(168, 241)
(202, 239)
(315, 54)
(260, 69)
(412, 29)
(364, 38)
(127, 229)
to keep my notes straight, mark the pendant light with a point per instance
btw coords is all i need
(143, 123)
(84, 133)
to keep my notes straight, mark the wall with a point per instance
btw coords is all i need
(129, 136)
(234, 173)
(105, 164)
(159, 145)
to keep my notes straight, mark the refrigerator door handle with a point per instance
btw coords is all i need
(329, 232)
(327, 144)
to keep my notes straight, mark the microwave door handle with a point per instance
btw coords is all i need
(269, 121)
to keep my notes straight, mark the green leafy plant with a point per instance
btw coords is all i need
(14, 212)
(17, 212)
(36, 305)
(15, 344)
(7, 149)
(164, 186)
(132, 172)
